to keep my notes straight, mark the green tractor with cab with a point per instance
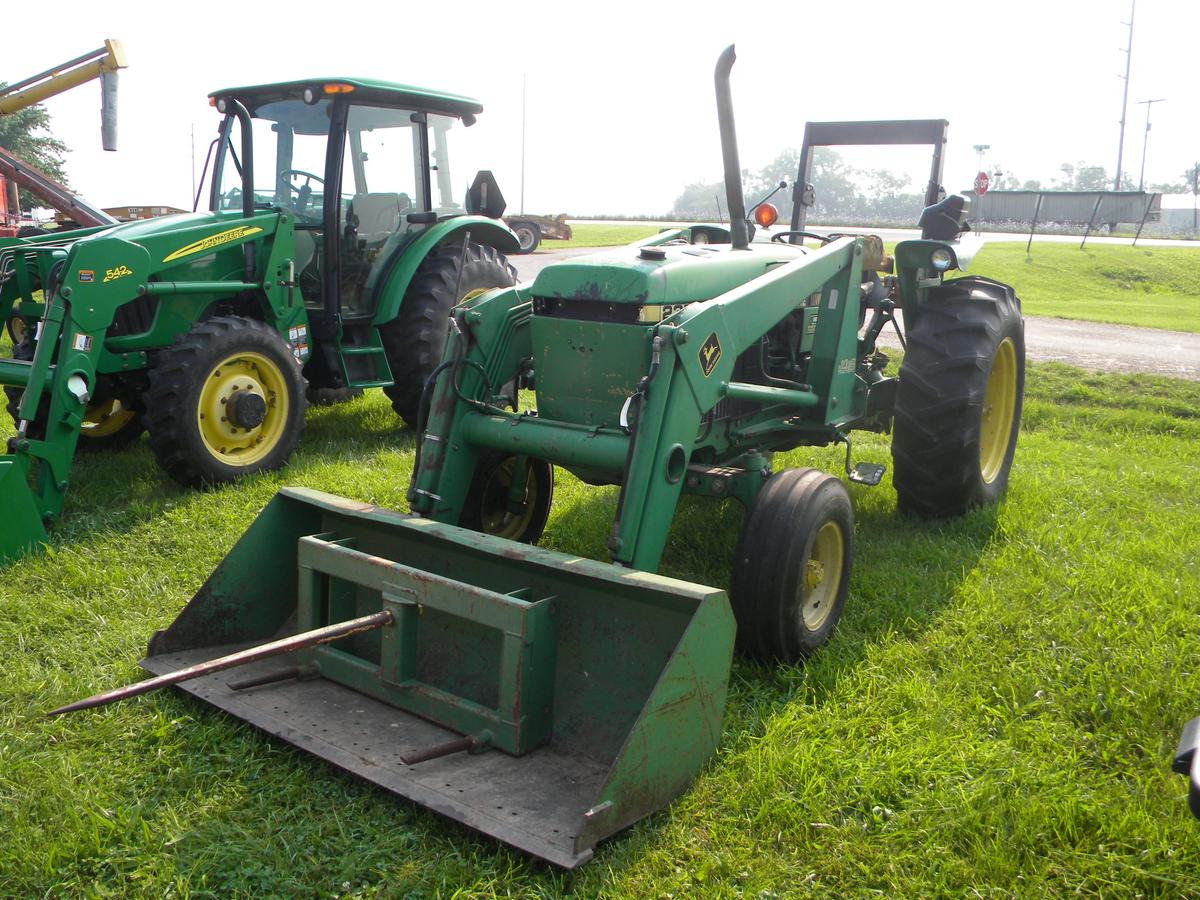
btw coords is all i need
(336, 243)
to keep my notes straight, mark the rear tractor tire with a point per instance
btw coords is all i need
(791, 569)
(488, 508)
(226, 400)
(414, 340)
(958, 407)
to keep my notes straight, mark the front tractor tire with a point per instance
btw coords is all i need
(791, 568)
(226, 400)
(958, 407)
(414, 340)
(108, 422)
(490, 508)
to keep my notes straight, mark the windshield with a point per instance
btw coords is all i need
(381, 166)
(383, 169)
(452, 163)
(290, 141)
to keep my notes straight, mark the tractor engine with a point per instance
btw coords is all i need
(594, 320)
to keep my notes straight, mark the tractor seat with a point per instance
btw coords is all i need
(378, 215)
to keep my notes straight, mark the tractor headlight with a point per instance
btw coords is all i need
(310, 96)
(941, 259)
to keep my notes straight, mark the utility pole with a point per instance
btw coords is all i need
(524, 77)
(1125, 98)
(1146, 139)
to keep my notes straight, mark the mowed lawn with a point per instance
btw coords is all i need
(996, 714)
(1154, 287)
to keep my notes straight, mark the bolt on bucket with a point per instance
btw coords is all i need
(546, 700)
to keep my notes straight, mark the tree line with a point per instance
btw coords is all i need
(844, 193)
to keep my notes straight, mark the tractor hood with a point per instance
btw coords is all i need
(140, 229)
(183, 240)
(649, 276)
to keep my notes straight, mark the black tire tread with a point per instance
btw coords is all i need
(414, 340)
(471, 515)
(771, 555)
(935, 442)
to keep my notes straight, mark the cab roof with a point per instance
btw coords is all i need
(366, 90)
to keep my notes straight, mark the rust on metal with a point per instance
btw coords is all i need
(461, 745)
(288, 674)
(284, 645)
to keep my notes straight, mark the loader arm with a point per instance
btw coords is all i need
(691, 357)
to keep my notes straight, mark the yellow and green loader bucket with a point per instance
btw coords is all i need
(546, 700)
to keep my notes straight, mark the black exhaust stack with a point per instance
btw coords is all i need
(734, 199)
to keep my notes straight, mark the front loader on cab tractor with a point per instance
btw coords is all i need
(334, 248)
(548, 700)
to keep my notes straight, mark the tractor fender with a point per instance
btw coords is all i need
(405, 264)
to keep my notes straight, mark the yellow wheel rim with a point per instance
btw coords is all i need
(495, 517)
(105, 419)
(224, 438)
(999, 407)
(822, 576)
(473, 293)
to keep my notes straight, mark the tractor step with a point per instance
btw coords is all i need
(363, 358)
(866, 473)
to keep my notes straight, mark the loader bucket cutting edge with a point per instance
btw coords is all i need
(21, 528)
(600, 689)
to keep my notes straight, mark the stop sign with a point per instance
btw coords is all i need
(981, 183)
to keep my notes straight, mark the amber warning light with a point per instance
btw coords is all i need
(765, 215)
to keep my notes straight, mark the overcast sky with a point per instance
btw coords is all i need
(619, 98)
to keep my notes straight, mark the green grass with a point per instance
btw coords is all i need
(1155, 287)
(601, 236)
(996, 714)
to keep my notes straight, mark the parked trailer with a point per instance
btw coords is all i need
(532, 230)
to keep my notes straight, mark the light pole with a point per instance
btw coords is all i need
(1125, 97)
(979, 148)
(1146, 139)
(524, 77)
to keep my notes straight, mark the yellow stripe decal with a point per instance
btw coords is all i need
(214, 240)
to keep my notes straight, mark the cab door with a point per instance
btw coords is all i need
(383, 189)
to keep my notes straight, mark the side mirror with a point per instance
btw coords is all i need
(484, 197)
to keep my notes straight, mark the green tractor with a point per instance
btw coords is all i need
(333, 251)
(548, 700)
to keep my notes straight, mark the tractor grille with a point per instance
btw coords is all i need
(134, 317)
(586, 310)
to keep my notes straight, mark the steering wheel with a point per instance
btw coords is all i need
(286, 176)
(783, 235)
(304, 192)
